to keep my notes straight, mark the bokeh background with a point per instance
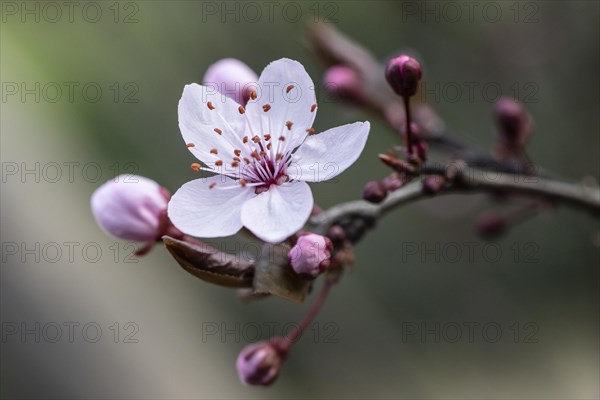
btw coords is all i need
(543, 276)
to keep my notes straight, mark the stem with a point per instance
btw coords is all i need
(409, 139)
(308, 318)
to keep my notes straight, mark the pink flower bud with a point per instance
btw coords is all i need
(403, 74)
(232, 78)
(311, 254)
(343, 82)
(374, 192)
(259, 364)
(513, 121)
(130, 207)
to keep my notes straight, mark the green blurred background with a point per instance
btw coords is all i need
(544, 278)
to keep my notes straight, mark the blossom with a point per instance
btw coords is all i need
(310, 255)
(232, 78)
(130, 207)
(263, 155)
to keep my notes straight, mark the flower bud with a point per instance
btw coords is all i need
(130, 208)
(259, 364)
(403, 74)
(433, 184)
(513, 121)
(490, 226)
(232, 78)
(344, 83)
(374, 192)
(392, 182)
(311, 254)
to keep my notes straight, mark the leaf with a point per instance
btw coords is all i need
(274, 275)
(211, 265)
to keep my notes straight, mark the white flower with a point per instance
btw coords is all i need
(263, 155)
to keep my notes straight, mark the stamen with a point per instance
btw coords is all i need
(256, 139)
(246, 160)
(237, 152)
(195, 167)
(214, 151)
(243, 182)
(287, 90)
(212, 185)
(253, 95)
(310, 131)
(267, 137)
(241, 109)
(236, 159)
(254, 155)
(281, 138)
(263, 154)
(313, 107)
(269, 146)
(218, 163)
(266, 107)
(220, 132)
(235, 164)
(210, 105)
(278, 156)
(245, 140)
(289, 125)
(190, 145)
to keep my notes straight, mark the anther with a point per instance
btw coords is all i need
(195, 167)
(243, 182)
(254, 155)
(278, 156)
(246, 160)
(263, 154)
(212, 185)
(287, 90)
(310, 131)
(282, 138)
(241, 109)
(266, 107)
(267, 137)
(313, 107)
(236, 159)
(214, 151)
(237, 152)
(269, 146)
(218, 163)
(253, 95)
(256, 139)
(289, 125)
(210, 105)
(235, 164)
(245, 140)
(190, 145)
(220, 132)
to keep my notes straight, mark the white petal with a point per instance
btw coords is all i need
(197, 122)
(293, 105)
(278, 213)
(329, 153)
(198, 210)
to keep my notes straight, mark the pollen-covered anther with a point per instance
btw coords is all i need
(190, 145)
(267, 137)
(256, 139)
(214, 151)
(243, 182)
(210, 105)
(235, 164)
(236, 159)
(289, 125)
(269, 146)
(220, 132)
(218, 163)
(282, 138)
(254, 155)
(313, 107)
(263, 154)
(212, 185)
(241, 109)
(290, 87)
(237, 152)
(253, 95)
(266, 107)
(195, 167)
(245, 139)
(310, 131)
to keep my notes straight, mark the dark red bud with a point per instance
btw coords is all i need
(403, 74)
(513, 121)
(374, 192)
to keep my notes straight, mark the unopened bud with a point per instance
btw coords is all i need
(393, 182)
(344, 83)
(259, 364)
(232, 78)
(374, 192)
(403, 74)
(130, 208)
(433, 184)
(513, 121)
(491, 225)
(310, 255)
